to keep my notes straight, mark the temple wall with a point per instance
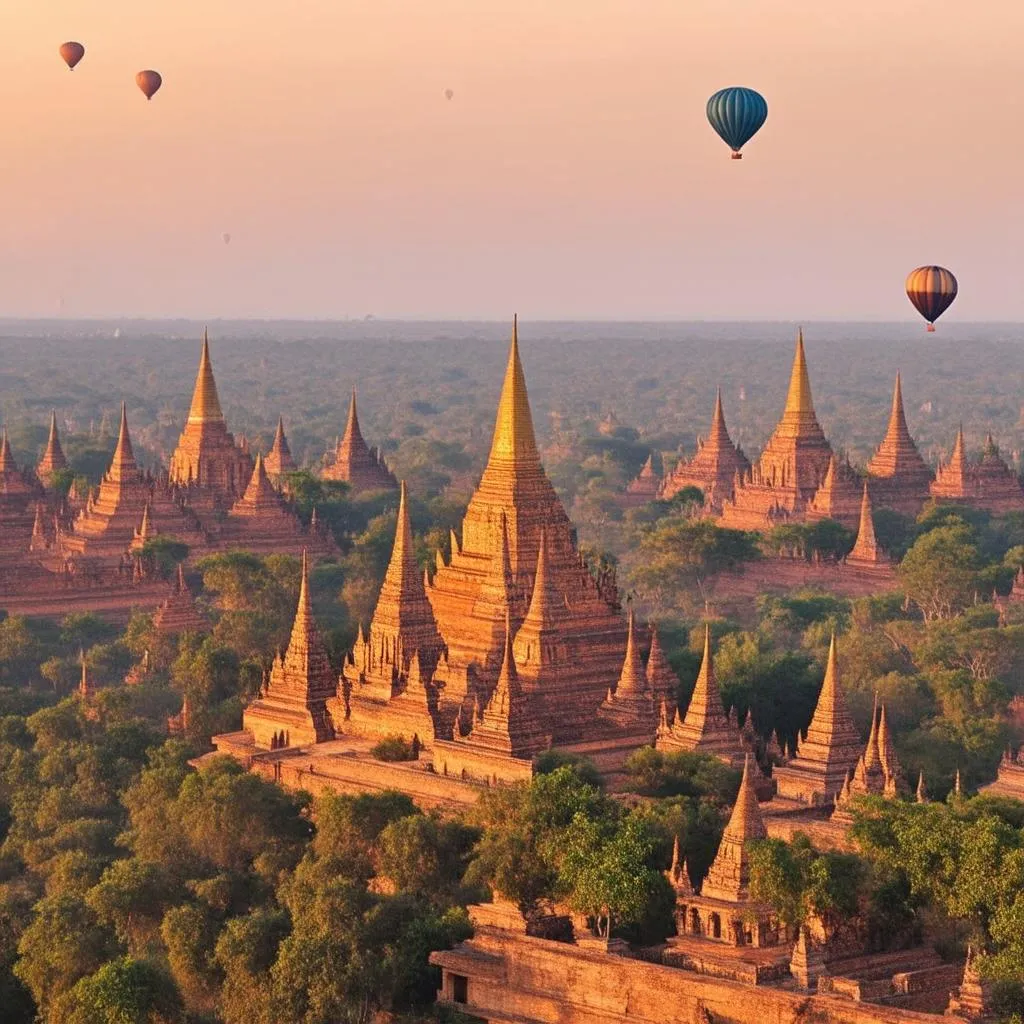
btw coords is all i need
(452, 759)
(513, 977)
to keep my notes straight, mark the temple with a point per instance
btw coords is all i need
(207, 454)
(644, 487)
(792, 465)
(53, 457)
(262, 520)
(988, 484)
(355, 463)
(714, 467)
(900, 478)
(279, 462)
(705, 729)
(178, 613)
(839, 496)
(829, 751)
(867, 555)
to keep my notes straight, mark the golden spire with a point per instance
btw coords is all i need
(705, 709)
(123, 466)
(718, 434)
(351, 424)
(897, 432)
(957, 459)
(403, 567)
(514, 440)
(205, 403)
(798, 401)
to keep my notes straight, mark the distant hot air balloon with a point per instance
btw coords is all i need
(737, 114)
(448, 94)
(227, 238)
(149, 82)
(932, 291)
(72, 53)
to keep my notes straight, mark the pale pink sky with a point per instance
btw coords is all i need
(573, 175)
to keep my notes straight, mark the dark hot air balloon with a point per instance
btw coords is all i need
(932, 291)
(737, 114)
(149, 82)
(227, 238)
(72, 53)
(448, 94)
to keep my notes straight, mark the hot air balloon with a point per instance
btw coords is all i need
(149, 82)
(72, 53)
(932, 291)
(448, 94)
(737, 114)
(227, 238)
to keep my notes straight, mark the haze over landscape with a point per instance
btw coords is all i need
(573, 174)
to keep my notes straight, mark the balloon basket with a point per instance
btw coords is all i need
(736, 155)
(931, 328)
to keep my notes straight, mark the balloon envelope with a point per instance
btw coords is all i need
(72, 53)
(226, 237)
(736, 114)
(448, 94)
(932, 290)
(149, 82)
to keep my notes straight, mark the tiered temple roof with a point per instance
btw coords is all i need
(207, 454)
(292, 710)
(728, 878)
(952, 480)
(900, 477)
(53, 458)
(830, 750)
(361, 467)
(279, 459)
(178, 613)
(705, 728)
(714, 466)
(261, 518)
(839, 496)
(568, 644)
(381, 668)
(792, 465)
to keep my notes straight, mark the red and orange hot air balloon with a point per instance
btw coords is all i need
(72, 53)
(149, 82)
(932, 290)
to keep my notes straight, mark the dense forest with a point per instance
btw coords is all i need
(135, 889)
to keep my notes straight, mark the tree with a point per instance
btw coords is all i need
(123, 991)
(940, 571)
(162, 555)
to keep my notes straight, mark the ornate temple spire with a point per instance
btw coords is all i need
(897, 434)
(353, 436)
(279, 459)
(799, 411)
(661, 678)
(631, 679)
(53, 458)
(866, 548)
(729, 875)
(831, 721)
(305, 646)
(887, 752)
(958, 460)
(38, 541)
(260, 491)
(513, 444)
(205, 402)
(719, 433)
(872, 752)
(122, 466)
(545, 604)
(705, 709)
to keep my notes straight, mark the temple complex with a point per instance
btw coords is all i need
(262, 520)
(207, 454)
(989, 484)
(53, 458)
(355, 463)
(829, 751)
(900, 478)
(714, 466)
(644, 487)
(279, 461)
(792, 466)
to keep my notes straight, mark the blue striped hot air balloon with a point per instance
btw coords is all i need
(737, 114)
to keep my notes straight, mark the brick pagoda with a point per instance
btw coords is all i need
(279, 461)
(355, 463)
(53, 458)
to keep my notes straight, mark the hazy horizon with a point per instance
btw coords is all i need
(572, 176)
